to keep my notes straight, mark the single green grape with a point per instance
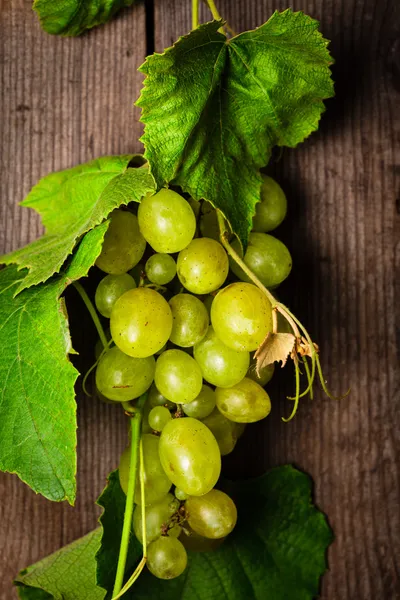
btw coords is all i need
(123, 245)
(141, 322)
(271, 210)
(265, 374)
(110, 288)
(166, 558)
(190, 455)
(155, 398)
(201, 406)
(157, 517)
(266, 256)
(159, 417)
(175, 531)
(178, 376)
(241, 315)
(207, 301)
(121, 377)
(219, 364)
(181, 495)
(190, 320)
(195, 206)
(203, 266)
(209, 222)
(160, 268)
(167, 221)
(245, 402)
(224, 431)
(156, 482)
(213, 515)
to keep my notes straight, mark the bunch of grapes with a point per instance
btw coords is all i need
(183, 325)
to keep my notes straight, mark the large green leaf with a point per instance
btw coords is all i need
(214, 108)
(71, 203)
(73, 17)
(113, 500)
(37, 400)
(69, 574)
(276, 551)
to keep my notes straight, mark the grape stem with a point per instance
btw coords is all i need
(136, 414)
(195, 14)
(217, 17)
(92, 311)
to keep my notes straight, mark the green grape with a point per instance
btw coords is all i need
(209, 222)
(201, 406)
(195, 206)
(141, 322)
(160, 268)
(121, 377)
(181, 495)
(110, 288)
(245, 402)
(203, 266)
(156, 399)
(190, 320)
(167, 221)
(178, 376)
(241, 316)
(266, 256)
(265, 375)
(213, 515)
(224, 431)
(207, 301)
(175, 531)
(159, 417)
(156, 482)
(166, 558)
(157, 517)
(271, 210)
(123, 245)
(190, 455)
(219, 364)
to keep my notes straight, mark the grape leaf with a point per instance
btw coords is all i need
(113, 502)
(68, 574)
(72, 17)
(71, 203)
(214, 108)
(277, 549)
(37, 400)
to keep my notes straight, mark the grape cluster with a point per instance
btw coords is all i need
(183, 325)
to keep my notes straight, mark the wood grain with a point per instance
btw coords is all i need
(65, 101)
(62, 102)
(342, 186)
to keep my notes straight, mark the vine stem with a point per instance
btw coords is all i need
(92, 311)
(136, 421)
(195, 14)
(214, 11)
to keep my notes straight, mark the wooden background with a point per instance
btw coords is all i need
(65, 101)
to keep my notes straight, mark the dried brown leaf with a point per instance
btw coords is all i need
(276, 347)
